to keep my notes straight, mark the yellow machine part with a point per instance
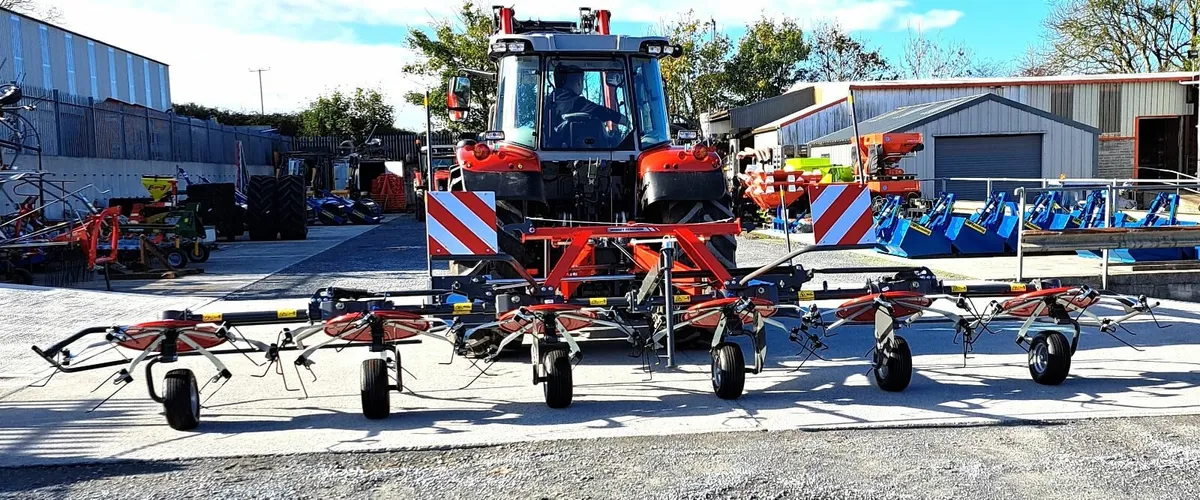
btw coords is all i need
(159, 187)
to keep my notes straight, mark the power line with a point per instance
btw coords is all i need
(262, 109)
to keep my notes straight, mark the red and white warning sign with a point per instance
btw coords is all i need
(842, 214)
(461, 223)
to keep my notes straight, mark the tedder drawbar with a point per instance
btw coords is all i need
(666, 284)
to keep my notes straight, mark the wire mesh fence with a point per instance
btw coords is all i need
(68, 125)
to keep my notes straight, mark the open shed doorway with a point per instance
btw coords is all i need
(1164, 145)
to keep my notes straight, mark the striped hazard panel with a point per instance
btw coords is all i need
(841, 214)
(461, 223)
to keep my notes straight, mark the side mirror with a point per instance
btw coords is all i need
(458, 98)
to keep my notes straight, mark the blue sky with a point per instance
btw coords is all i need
(313, 46)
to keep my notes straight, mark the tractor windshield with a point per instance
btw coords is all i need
(516, 99)
(586, 106)
(653, 126)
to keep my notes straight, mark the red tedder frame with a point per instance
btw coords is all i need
(689, 237)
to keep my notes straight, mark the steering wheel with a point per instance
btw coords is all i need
(570, 118)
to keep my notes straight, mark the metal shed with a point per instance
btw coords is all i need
(983, 135)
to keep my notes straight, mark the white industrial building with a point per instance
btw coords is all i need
(978, 136)
(1147, 121)
(41, 55)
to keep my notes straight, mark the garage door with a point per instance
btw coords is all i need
(1012, 156)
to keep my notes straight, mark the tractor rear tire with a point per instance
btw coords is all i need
(291, 208)
(181, 400)
(376, 393)
(724, 246)
(260, 207)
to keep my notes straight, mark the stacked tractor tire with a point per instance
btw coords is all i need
(276, 208)
(219, 208)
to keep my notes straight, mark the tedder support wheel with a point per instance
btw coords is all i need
(199, 253)
(181, 400)
(894, 374)
(176, 258)
(728, 371)
(558, 386)
(376, 395)
(1049, 358)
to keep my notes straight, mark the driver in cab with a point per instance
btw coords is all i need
(568, 87)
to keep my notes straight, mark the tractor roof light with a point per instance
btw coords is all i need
(516, 47)
(499, 47)
(481, 151)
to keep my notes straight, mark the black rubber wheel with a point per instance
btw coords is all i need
(260, 207)
(181, 399)
(1049, 358)
(723, 247)
(728, 371)
(291, 208)
(558, 386)
(376, 395)
(894, 374)
(176, 258)
(331, 214)
(20, 276)
(199, 253)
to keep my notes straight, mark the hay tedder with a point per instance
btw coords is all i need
(581, 240)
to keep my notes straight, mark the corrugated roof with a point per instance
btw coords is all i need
(910, 117)
(1176, 76)
(755, 115)
(799, 115)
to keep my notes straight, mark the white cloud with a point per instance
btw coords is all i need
(310, 45)
(930, 20)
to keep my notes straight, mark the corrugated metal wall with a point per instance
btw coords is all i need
(1066, 150)
(824, 122)
(1137, 99)
(33, 73)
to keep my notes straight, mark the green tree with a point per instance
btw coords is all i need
(286, 123)
(769, 59)
(695, 82)
(836, 56)
(1121, 36)
(454, 45)
(351, 116)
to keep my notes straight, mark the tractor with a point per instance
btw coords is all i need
(580, 134)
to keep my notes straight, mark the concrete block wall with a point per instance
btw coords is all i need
(1116, 159)
(120, 178)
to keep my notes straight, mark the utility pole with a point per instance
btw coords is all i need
(713, 21)
(262, 109)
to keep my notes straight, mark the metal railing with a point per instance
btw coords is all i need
(1147, 240)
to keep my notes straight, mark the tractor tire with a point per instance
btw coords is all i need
(728, 371)
(558, 386)
(291, 208)
(723, 247)
(181, 400)
(1049, 358)
(260, 207)
(894, 374)
(376, 394)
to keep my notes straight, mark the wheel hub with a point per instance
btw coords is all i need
(1040, 358)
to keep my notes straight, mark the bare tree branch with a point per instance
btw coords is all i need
(34, 8)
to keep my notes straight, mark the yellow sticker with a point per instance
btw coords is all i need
(979, 229)
(1031, 226)
(285, 313)
(958, 288)
(211, 317)
(921, 229)
(1016, 287)
(462, 308)
(682, 299)
(598, 301)
(806, 295)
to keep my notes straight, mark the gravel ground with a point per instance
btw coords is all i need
(1104, 459)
